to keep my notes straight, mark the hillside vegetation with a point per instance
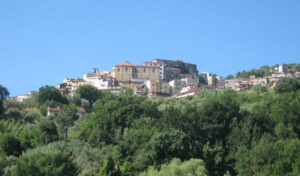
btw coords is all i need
(218, 132)
(267, 71)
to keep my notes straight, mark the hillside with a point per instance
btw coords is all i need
(217, 132)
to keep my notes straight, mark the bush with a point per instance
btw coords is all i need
(260, 89)
(30, 116)
(192, 167)
(36, 163)
(9, 145)
(14, 113)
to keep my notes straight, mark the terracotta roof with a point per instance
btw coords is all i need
(81, 110)
(57, 109)
(126, 63)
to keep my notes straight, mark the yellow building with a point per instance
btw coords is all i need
(127, 71)
(158, 87)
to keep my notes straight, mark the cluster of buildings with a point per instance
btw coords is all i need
(240, 84)
(159, 77)
(166, 78)
(162, 78)
(23, 97)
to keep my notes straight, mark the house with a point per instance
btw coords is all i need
(188, 91)
(80, 112)
(158, 88)
(176, 86)
(55, 111)
(210, 78)
(190, 82)
(69, 86)
(101, 80)
(138, 86)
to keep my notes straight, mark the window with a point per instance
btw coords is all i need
(118, 69)
(144, 70)
(126, 68)
(153, 70)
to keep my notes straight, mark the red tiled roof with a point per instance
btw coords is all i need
(57, 109)
(81, 110)
(126, 63)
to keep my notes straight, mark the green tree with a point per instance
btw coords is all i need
(109, 168)
(66, 119)
(10, 145)
(31, 116)
(48, 93)
(192, 167)
(88, 92)
(14, 114)
(201, 80)
(167, 145)
(285, 85)
(46, 133)
(42, 161)
(3, 94)
(229, 76)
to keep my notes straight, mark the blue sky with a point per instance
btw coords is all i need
(42, 42)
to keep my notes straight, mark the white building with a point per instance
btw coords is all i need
(100, 80)
(190, 82)
(210, 78)
(176, 86)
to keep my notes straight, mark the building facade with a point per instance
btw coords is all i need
(127, 71)
(170, 69)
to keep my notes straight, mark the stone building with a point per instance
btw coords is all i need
(127, 71)
(69, 86)
(170, 69)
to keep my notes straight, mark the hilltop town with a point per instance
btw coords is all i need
(166, 78)
(107, 122)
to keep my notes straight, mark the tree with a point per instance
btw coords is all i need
(285, 85)
(14, 114)
(109, 167)
(30, 116)
(49, 93)
(45, 161)
(167, 145)
(10, 145)
(201, 80)
(192, 167)
(88, 92)
(66, 118)
(3, 94)
(258, 160)
(229, 76)
(46, 133)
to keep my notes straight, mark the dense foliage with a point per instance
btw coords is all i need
(218, 132)
(267, 70)
(3, 94)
